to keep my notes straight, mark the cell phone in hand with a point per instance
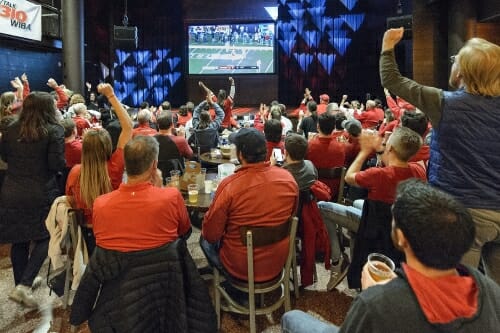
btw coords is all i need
(278, 156)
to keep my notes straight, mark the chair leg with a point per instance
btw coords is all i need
(286, 291)
(217, 295)
(251, 307)
(295, 276)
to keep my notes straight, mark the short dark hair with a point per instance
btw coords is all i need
(326, 123)
(164, 120)
(183, 111)
(139, 153)
(69, 127)
(339, 118)
(273, 130)
(312, 106)
(166, 105)
(296, 146)
(275, 112)
(416, 121)
(144, 105)
(438, 228)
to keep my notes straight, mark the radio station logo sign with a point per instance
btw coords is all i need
(21, 18)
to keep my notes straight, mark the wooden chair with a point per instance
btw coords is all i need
(253, 237)
(334, 173)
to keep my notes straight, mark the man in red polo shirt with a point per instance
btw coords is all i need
(257, 194)
(140, 215)
(372, 115)
(143, 128)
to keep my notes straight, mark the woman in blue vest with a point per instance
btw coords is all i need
(465, 144)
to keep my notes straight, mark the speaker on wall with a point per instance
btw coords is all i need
(405, 21)
(125, 37)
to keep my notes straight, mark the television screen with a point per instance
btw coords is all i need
(247, 48)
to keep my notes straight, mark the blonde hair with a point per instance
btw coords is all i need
(479, 65)
(94, 178)
(6, 100)
(76, 98)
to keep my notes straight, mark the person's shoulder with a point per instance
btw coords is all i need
(394, 289)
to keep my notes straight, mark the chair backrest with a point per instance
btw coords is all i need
(262, 236)
(334, 173)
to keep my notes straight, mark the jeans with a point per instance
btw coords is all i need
(336, 214)
(211, 251)
(26, 265)
(486, 244)
(296, 321)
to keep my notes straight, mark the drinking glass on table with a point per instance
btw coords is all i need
(174, 178)
(193, 191)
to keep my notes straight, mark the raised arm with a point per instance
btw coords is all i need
(26, 85)
(232, 89)
(428, 99)
(196, 113)
(17, 84)
(219, 113)
(62, 98)
(121, 113)
(208, 92)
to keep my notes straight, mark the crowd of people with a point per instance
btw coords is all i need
(421, 186)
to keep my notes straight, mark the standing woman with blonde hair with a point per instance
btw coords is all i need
(465, 141)
(101, 170)
(33, 147)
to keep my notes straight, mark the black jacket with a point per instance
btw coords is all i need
(157, 290)
(30, 185)
(374, 235)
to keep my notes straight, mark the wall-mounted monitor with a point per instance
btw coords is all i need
(231, 48)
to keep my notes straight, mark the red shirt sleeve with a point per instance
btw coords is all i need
(116, 165)
(62, 98)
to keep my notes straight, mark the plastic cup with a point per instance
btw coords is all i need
(174, 178)
(193, 193)
(380, 267)
(208, 186)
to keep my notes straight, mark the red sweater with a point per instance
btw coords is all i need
(258, 195)
(139, 217)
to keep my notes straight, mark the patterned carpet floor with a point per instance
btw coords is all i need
(51, 317)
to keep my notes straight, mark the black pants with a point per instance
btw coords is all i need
(26, 265)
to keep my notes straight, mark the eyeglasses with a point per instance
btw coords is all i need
(453, 58)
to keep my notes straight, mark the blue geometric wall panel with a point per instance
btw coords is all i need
(145, 75)
(353, 20)
(349, 4)
(327, 61)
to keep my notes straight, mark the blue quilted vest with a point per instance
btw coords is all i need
(465, 150)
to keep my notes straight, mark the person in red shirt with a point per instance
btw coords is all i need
(166, 127)
(372, 116)
(81, 122)
(324, 151)
(257, 194)
(140, 214)
(381, 182)
(183, 116)
(324, 99)
(226, 102)
(272, 132)
(143, 128)
(101, 170)
(72, 145)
